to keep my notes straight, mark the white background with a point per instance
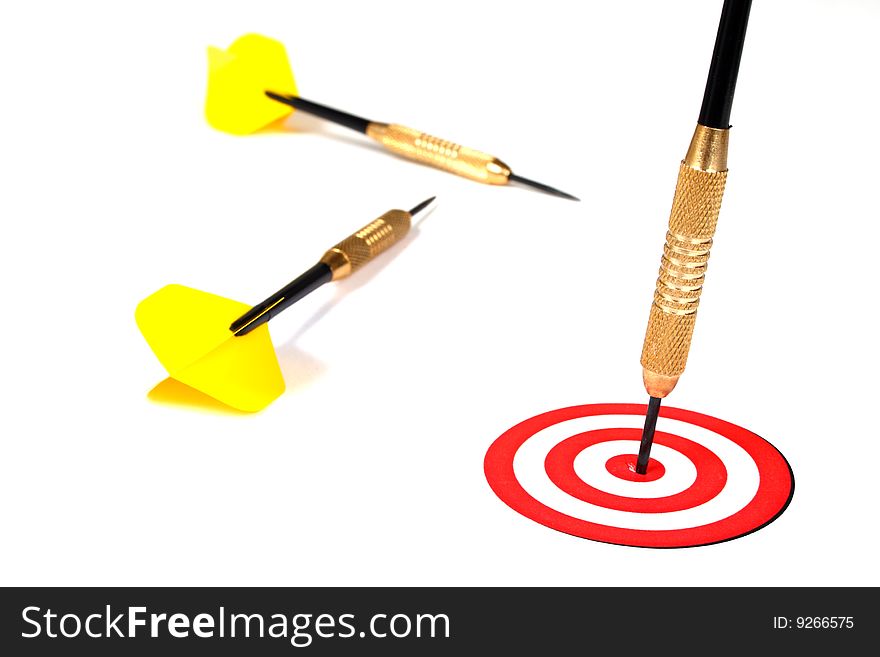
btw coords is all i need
(505, 303)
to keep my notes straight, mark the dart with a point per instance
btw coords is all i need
(251, 85)
(692, 221)
(222, 347)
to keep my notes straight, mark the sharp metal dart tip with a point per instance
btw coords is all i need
(541, 186)
(648, 435)
(421, 207)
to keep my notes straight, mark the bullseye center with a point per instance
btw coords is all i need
(623, 466)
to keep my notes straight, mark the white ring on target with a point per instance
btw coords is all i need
(743, 477)
(589, 466)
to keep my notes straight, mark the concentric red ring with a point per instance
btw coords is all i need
(775, 487)
(711, 473)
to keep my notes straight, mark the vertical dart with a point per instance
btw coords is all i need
(694, 216)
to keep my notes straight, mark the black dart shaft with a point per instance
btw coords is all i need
(299, 287)
(322, 111)
(648, 435)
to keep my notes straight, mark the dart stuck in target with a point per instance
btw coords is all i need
(574, 470)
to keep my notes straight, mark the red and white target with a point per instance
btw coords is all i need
(573, 470)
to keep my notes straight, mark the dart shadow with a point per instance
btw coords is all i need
(349, 285)
(172, 392)
(298, 368)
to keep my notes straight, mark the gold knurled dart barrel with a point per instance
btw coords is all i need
(692, 223)
(440, 153)
(359, 248)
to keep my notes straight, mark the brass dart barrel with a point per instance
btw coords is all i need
(692, 222)
(440, 153)
(359, 248)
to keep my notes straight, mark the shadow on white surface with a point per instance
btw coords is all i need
(299, 368)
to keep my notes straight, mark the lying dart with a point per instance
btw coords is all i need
(250, 85)
(222, 348)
